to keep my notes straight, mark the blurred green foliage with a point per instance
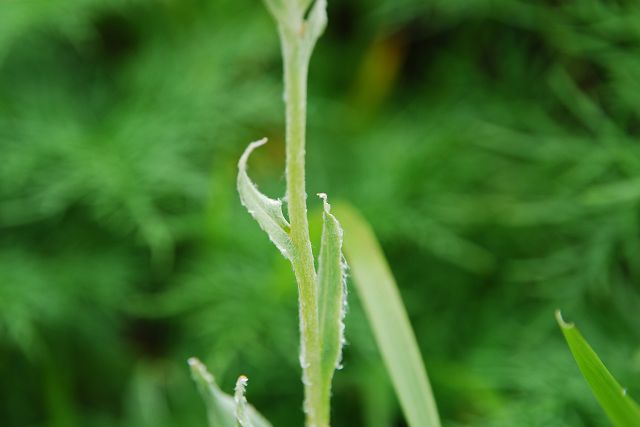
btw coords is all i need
(493, 144)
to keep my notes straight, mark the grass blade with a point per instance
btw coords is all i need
(389, 321)
(620, 408)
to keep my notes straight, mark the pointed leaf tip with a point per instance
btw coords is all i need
(241, 402)
(563, 324)
(266, 211)
(325, 202)
(619, 407)
(241, 384)
(199, 371)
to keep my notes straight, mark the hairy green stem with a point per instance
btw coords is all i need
(296, 65)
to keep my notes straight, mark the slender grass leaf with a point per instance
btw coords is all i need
(331, 294)
(389, 321)
(268, 212)
(222, 409)
(613, 398)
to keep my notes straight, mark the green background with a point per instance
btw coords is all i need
(493, 145)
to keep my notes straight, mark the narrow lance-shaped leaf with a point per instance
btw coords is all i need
(268, 212)
(331, 294)
(620, 408)
(388, 319)
(242, 415)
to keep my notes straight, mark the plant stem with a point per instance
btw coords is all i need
(296, 65)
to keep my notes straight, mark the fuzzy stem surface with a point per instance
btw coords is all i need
(296, 65)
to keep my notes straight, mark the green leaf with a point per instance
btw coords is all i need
(385, 311)
(315, 24)
(220, 406)
(620, 408)
(224, 410)
(242, 415)
(268, 212)
(302, 21)
(331, 294)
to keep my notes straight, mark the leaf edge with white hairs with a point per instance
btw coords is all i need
(332, 293)
(266, 211)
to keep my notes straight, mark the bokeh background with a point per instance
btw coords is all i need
(493, 145)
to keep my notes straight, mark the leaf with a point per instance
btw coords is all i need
(385, 311)
(302, 20)
(331, 293)
(268, 212)
(620, 408)
(241, 402)
(222, 409)
(315, 24)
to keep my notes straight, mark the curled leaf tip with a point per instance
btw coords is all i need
(325, 202)
(563, 324)
(247, 152)
(266, 211)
